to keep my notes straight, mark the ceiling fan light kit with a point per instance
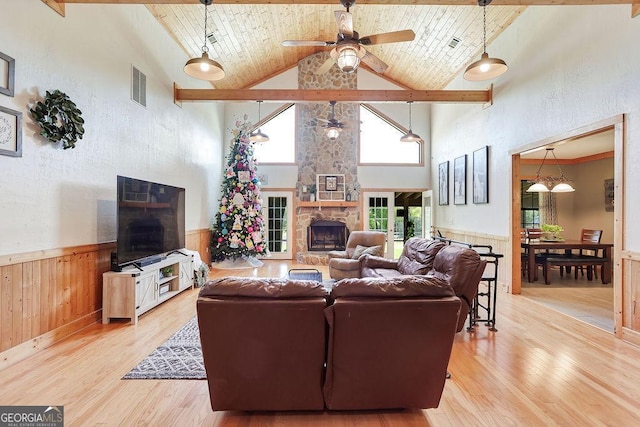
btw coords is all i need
(348, 59)
(203, 67)
(485, 68)
(550, 183)
(332, 133)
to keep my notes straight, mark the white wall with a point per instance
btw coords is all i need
(52, 198)
(569, 67)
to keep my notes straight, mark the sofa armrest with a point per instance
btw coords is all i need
(338, 254)
(372, 261)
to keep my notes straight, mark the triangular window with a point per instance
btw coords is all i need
(281, 129)
(380, 141)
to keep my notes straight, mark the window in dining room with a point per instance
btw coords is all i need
(529, 206)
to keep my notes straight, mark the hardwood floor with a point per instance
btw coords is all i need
(541, 368)
(589, 301)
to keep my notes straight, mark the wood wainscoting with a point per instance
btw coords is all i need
(630, 298)
(50, 294)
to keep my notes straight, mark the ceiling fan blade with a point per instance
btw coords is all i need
(326, 66)
(374, 62)
(391, 37)
(293, 43)
(344, 21)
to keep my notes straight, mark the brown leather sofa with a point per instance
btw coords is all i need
(263, 343)
(386, 341)
(345, 264)
(461, 267)
(389, 342)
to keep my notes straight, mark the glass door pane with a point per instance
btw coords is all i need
(278, 219)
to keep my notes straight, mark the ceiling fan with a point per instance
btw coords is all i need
(333, 127)
(349, 50)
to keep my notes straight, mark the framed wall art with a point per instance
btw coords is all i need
(331, 183)
(460, 180)
(10, 132)
(443, 183)
(609, 192)
(481, 175)
(7, 74)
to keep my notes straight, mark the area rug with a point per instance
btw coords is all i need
(179, 358)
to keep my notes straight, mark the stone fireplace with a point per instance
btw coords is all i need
(327, 236)
(319, 155)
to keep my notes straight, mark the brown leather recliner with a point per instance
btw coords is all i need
(346, 264)
(462, 268)
(389, 342)
(416, 258)
(263, 343)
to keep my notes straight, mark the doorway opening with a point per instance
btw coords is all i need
(401, 214)
(588, 159)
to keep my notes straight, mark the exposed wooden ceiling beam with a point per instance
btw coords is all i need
(312, 95)
(361, 2)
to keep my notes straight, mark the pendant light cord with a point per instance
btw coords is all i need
(409, 102)
(484, 28)
(206, 15)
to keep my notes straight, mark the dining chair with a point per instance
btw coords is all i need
(591, 236)
(536, 234)
(524, 255)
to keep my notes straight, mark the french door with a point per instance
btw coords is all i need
(277, 212)
(379, 215)
(427, 222)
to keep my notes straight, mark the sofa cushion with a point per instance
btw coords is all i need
(262, 288)
(369, 250)
(418, 255)
(393, 287)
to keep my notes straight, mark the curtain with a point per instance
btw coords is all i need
(548, 209)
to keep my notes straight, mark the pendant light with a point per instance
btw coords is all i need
(258, 136)
(550, 183)
(204, 68)
(486, 68)
(410, 136)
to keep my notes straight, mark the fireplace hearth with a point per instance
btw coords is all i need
(327, 236)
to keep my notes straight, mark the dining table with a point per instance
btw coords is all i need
(531, 246)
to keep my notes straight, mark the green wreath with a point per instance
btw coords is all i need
(59, 119)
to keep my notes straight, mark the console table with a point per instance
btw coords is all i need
(129, 293)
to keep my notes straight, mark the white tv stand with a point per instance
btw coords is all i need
(135, 290)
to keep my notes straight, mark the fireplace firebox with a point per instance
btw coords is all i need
(327, 235)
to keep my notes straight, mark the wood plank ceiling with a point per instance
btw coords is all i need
(248, 37)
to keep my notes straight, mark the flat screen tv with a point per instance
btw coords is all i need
(150, 220)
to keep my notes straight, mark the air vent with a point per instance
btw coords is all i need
(454, 42)
(212, 39)
(138, 86)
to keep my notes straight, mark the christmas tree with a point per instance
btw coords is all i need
(239, 228)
